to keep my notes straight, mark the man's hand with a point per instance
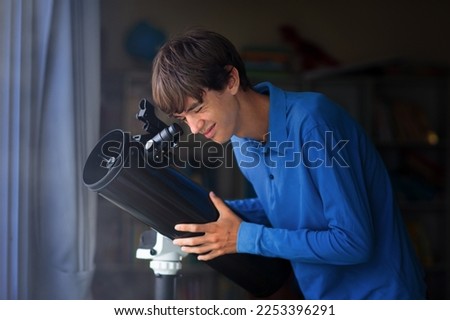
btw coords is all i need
(219, 237)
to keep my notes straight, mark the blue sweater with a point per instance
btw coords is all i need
(324, 202)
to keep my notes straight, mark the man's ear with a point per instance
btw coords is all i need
(233, 81)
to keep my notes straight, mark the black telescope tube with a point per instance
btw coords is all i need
(161, 197)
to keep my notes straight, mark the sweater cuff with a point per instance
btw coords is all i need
(248, 237)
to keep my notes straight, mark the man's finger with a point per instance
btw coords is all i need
(218, 202)
(209, 256)
(193, 227)
(194, 241)
(200, 250)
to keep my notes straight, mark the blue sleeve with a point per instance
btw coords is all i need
(346, 237)
(249, 210)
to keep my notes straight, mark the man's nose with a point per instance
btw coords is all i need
(194, 124)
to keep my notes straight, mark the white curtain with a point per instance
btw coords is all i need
(49, 109)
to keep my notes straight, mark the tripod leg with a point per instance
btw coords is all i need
(165, 287)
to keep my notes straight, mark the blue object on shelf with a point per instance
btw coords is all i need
(144, 40)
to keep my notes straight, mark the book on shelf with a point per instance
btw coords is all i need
(267, 58)
(402, 122)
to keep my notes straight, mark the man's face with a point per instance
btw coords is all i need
(216, 117)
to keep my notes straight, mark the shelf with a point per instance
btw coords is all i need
(394, 146)
(423, 207)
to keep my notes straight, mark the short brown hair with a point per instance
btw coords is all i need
(189, 64)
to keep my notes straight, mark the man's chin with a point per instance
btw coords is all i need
(215, 139)
(219, 138)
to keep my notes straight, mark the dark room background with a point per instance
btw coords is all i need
(397, 50)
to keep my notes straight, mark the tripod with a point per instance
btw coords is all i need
(165, 261)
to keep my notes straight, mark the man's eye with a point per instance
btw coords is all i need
(197, 110)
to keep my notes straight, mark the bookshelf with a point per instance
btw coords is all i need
(404, 108)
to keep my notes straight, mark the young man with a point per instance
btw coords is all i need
(324, 198)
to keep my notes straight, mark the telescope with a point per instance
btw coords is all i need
(136, 174)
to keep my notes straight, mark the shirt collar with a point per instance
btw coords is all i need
(277, 112)
(277, 119)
